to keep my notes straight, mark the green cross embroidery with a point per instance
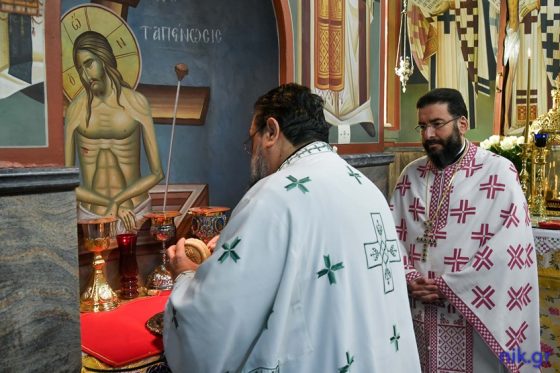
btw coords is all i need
(329, 271)
(395, 338)
(297, 183)
(349, 361)
(382, 252)
(354, 174)
(229, 251)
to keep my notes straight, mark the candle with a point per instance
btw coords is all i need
(555, 194)
(528, 108)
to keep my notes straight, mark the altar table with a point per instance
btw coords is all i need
(547, 244)
(118, 340)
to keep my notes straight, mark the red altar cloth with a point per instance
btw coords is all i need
(120, 337)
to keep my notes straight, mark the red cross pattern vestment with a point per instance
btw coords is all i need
(481, 252)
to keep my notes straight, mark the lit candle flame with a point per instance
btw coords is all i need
(529, 52)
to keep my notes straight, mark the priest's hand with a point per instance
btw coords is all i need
(178, 260)
(425, 290)
(212, 243)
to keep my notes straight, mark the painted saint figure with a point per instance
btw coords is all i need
(335, 44)
(449, 42)
(106, 124)
(532, 33)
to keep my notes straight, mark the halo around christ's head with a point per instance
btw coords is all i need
(92, 17)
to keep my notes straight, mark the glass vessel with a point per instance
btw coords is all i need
(128, 266)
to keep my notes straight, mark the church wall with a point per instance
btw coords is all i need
(409, 119)
(40, 297)
(30, 132)
(238, 62)
(357, 138)
(401, 138)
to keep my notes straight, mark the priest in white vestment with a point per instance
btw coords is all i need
(468, 249)
(307, 275)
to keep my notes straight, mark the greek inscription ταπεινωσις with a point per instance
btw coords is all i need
(184, 35)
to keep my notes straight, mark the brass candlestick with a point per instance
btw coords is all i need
(98, 296)
(539, 162)
(549, 124)
(526, 154)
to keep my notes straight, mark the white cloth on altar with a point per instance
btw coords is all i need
(139, 211)
(295, 283)
(484, 261)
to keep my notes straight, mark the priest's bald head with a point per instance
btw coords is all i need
(285, 119)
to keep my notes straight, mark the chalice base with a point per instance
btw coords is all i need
(98, 296)
(159, 279)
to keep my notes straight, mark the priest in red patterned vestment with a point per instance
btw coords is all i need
(468, 249)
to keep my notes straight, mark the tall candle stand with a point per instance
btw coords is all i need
(527, 147)
(526, 154)
(549, 124)
(539, 162)
(163, 225)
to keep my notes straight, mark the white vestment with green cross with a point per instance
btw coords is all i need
(306, 277)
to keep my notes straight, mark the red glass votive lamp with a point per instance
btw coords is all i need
(128, 266)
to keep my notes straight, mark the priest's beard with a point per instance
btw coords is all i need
(448, 153)
(259, 168)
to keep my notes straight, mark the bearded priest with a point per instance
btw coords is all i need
(468, 249)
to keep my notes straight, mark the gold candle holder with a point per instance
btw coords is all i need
(526, 151)
(540, 186)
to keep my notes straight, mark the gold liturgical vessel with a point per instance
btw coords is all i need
(546, 158)
(98, 295)
(539, 165)
(207, 221)
(162, 229)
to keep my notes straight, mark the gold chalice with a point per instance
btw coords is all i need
(98, 295)
(207, 221)
(162, 229)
